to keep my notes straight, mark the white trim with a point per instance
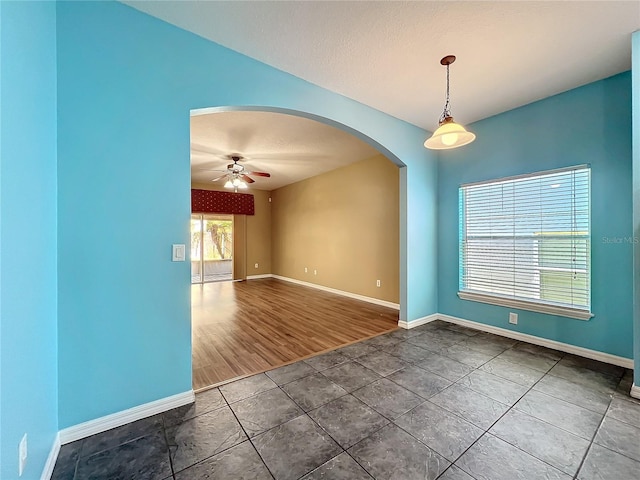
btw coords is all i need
(563, 347)
(377, 301)
(526, 305)
(102, 424)
(418, 321)
(263, 275)
(635, 391)
(49, 465)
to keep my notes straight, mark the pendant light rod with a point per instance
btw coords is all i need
(449, 134)
(446, 61)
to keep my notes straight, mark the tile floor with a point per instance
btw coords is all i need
(438, 401)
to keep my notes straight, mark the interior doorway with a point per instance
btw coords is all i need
(241, 327)
(211, 248)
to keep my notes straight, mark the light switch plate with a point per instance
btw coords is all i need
(178, 252)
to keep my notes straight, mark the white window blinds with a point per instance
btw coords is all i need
(528, 238)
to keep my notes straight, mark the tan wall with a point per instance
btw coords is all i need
(345, 225)
(259, 235)
(252, 241)
(239, 247)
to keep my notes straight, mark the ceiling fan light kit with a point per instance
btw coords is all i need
(449, 134)
(236, 183)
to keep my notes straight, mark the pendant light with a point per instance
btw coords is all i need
(449, 134)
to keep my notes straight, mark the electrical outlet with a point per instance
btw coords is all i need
(513, 318)
(256, 265)
(22, 455)
(377, 283)
(305, 270)
(315, 272)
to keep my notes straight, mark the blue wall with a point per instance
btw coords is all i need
(28, 234)
(422, 249)
(591, 124)
(635, 68)
(127, 82)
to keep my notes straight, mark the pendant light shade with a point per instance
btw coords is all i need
(449, 134)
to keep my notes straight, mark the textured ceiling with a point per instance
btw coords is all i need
(386, 54)
(290, 148)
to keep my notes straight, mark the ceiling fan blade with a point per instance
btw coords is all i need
(247, 179)
(259, 174)
(219, 178)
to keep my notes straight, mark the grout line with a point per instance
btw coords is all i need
(391, 421)
(593, 437)
(357, 462)
(343, 450)
(617, 452)
(512, 407)
(411, 363)
(261, 459)
(584, 457)
(317, 424)
(486, 432)
(456, 382)
(166, 441)
(246, 434)
(228, 405)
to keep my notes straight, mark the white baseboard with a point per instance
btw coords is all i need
(543, 342)
(102, 424)
(635, 391)
(263, 275)
(355, 296)
(418, 321)
(47, 471)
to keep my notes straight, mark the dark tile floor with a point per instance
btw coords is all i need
(438, 401)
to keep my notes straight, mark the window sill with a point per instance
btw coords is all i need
(527, 305)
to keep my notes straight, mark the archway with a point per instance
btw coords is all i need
(339, 272)
(374, 143)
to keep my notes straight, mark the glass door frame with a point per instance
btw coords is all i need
(201, 218)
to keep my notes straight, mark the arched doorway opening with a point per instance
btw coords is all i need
(324, 228)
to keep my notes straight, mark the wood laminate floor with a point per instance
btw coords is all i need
(243, 328)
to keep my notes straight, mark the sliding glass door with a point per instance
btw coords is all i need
(211, 248)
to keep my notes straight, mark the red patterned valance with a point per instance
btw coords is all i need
(211, 201)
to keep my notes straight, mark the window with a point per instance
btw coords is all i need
(525, 242)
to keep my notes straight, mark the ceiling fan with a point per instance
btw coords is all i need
(237, 176)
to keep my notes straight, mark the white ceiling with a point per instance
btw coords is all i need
(289, 148)
(386, 54)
